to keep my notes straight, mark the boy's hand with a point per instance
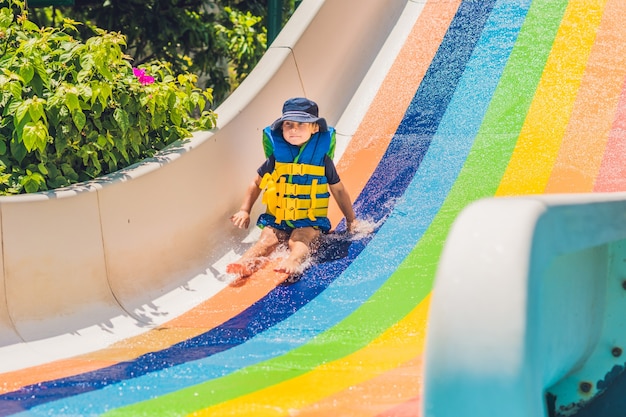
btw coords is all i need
(361, 227)
(351, 225)
(241, 219)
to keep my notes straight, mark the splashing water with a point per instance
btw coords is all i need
(364, 227)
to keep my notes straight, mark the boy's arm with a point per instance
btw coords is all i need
(241, 219)
(342, 197)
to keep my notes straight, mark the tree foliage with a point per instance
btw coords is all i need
(90, 89)
(218, 40)
(73, 110)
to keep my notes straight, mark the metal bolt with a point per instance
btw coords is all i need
(616, 351)
(585, 387)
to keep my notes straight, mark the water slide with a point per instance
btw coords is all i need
(482, 140)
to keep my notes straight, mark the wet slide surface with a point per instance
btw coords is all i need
(485, 98)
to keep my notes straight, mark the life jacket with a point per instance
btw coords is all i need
(297, 190)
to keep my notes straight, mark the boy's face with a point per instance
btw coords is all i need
(297, 133)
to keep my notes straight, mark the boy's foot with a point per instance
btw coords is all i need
(289, 266)
(246, 268)
(292, 279)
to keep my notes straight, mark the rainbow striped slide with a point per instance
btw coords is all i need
(473, 100)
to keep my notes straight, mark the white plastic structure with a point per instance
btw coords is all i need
(528, 306)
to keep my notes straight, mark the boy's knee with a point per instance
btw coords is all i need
(269, 236)
(304, 234)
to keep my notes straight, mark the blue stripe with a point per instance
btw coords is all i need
(360, 280)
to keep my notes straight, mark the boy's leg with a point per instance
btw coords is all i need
(253, 258)
(301, 242)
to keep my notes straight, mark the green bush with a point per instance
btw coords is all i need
(72, 111)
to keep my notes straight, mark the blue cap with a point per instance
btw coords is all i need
(300, 109)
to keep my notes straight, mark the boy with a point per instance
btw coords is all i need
(296, 176)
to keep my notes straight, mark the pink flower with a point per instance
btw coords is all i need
(144, 79)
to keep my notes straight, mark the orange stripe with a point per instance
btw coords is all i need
(216, 310)
(580, 155)
(382, 119)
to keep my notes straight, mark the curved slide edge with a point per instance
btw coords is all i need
(104, 260)
(527, 310)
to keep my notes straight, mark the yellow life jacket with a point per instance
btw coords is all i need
(297, 190)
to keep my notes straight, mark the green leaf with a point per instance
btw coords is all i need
(58, 181)
(52, 170)
(121, 117)
(171, 100)
(151, 106)
(42, 168)
(102, 65)
(21, 112)
(79, 119)
(124, 98)
(86, 61)
(42, 74)
(69, 172)
(110, 158)
(28, 25)
(65, 101)
(18, 151)
(61, 142)
(85, 153)
(15, 88)
(27, 71)
(104, 93)
(102, 141)
(35, 136)
(158, 119)
(71, 101)
(35, 109)
(33, 182)
(176, 117)
(135, 142)
(53, 118)
(97, 122)
(38, 84)
(97, 167)
(6, 17)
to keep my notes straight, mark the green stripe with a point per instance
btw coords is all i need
(498, 133)
(507, 111)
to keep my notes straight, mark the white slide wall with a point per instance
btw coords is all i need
(102, 260)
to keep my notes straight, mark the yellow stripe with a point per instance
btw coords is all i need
(300, 189)
(541, 135)
(397, 345)
(290, 168)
